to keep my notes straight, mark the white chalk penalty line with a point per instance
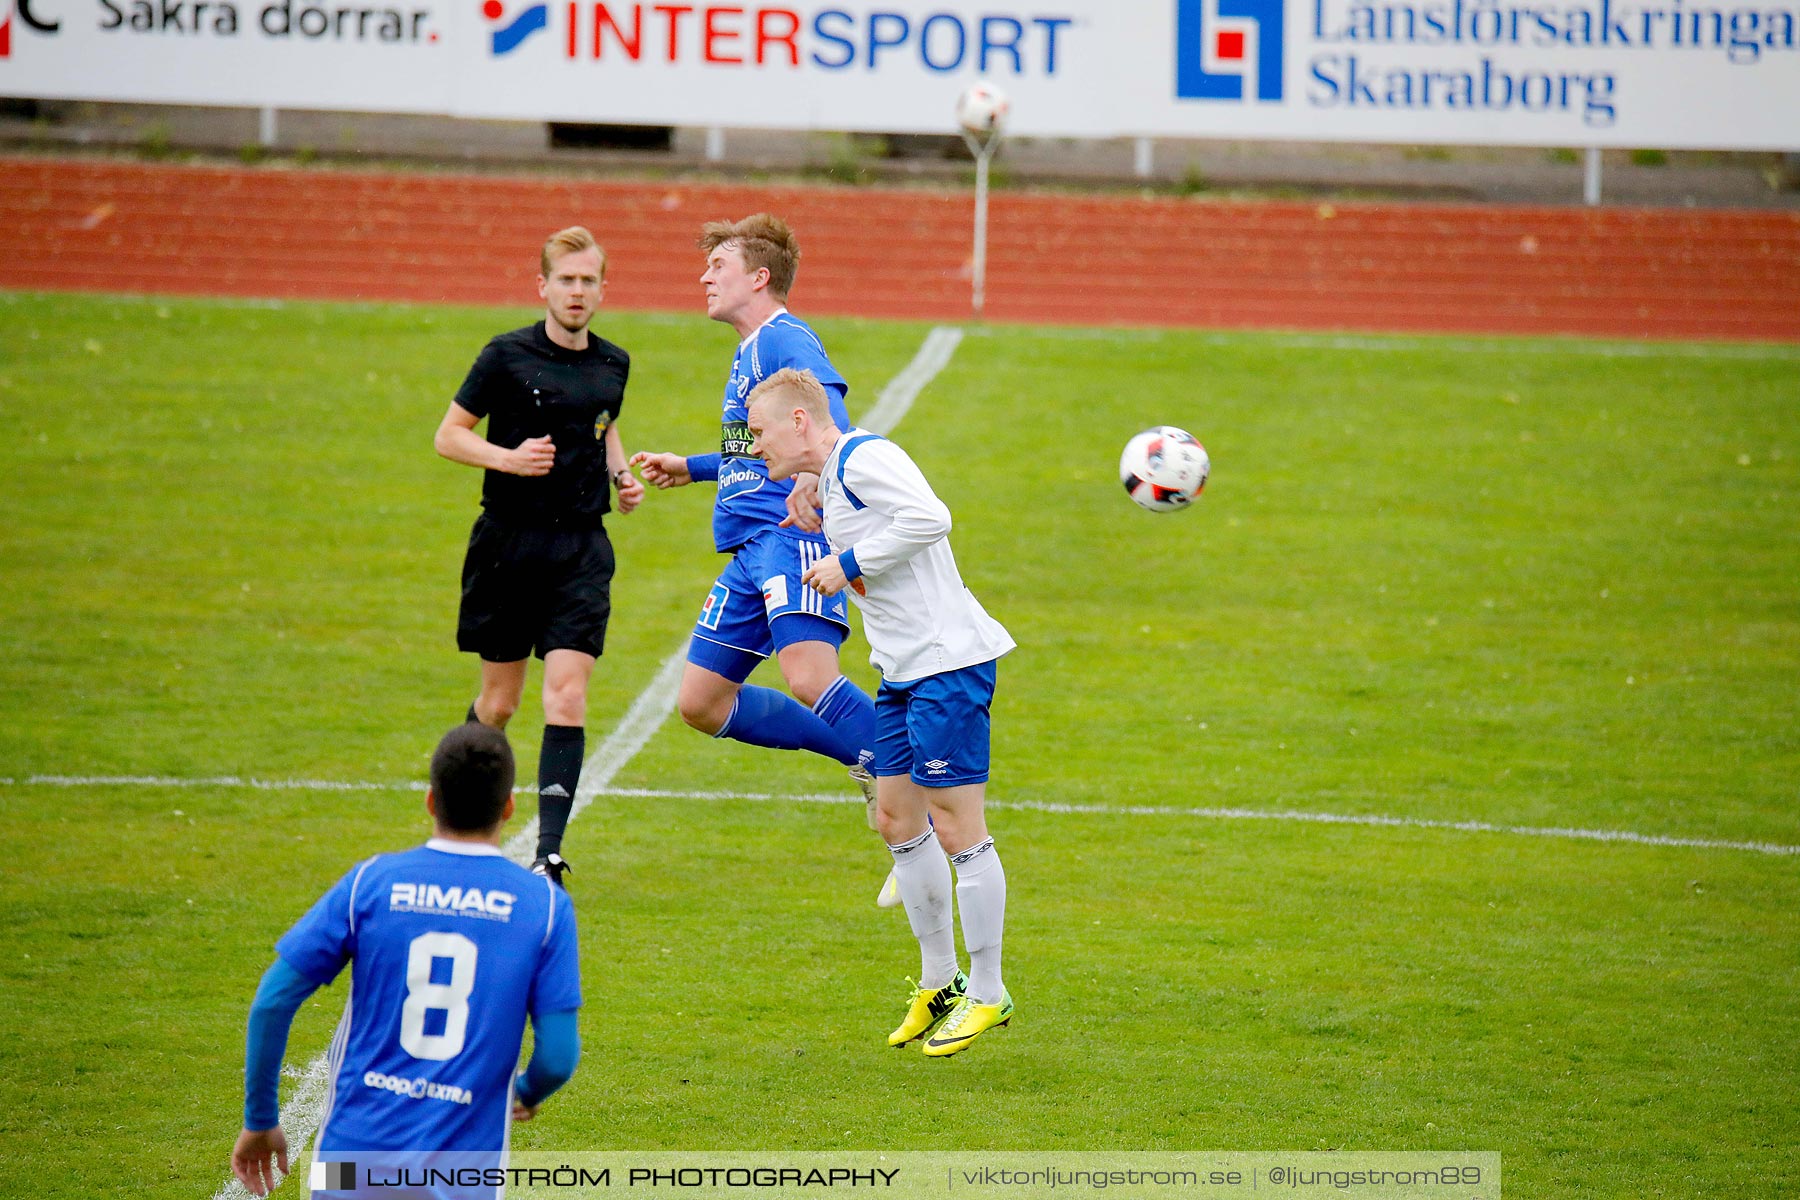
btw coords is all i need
(1255, 814)
(300, 1117)
(655, 703)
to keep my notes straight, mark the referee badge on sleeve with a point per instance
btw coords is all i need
(601, 424)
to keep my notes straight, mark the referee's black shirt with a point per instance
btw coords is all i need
(527, 386)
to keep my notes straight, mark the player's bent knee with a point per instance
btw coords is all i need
(809, 682)
(896, 828)
(705, 713)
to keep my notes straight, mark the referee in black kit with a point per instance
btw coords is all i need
(538, 573)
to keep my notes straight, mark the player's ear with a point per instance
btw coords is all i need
(430, 802)
(507, 812)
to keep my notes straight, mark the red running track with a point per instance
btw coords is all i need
(1088, 260)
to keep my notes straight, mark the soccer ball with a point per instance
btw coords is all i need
(982, 109)
(1164, 468)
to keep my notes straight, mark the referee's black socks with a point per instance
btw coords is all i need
(559, 773)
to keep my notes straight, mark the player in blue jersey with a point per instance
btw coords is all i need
(758, 606)
(450, 947)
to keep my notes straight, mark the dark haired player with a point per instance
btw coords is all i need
(538, 572)
(450, 947)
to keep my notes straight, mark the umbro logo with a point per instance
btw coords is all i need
(936, 764)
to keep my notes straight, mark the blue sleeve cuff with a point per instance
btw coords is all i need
(556, 1048)
(848, 561)
(703, 468)
(282, 991)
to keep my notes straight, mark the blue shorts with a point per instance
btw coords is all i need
(742, 622)
(935, 728)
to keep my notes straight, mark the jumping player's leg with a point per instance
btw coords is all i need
(980, 883)
(757, 716)
(945, 753)
(730, 639)
(807, 651)
(922, 872)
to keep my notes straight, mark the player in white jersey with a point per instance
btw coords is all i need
(936, 649)
(451, 946)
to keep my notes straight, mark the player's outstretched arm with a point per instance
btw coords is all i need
(663, 470)
(257, 1157)
(457, 441)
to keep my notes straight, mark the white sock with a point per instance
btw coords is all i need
(981, 898)
(924, 877)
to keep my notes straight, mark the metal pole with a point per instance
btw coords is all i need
(1590, 184)
(715, 143)
(979, 278)
(1143, 157)
(265, 126)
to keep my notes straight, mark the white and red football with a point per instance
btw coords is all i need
(1164, 468)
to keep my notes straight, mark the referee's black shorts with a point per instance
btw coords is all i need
(528, 589)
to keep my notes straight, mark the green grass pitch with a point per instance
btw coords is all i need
(1534, 584)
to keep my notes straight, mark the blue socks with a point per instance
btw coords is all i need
(765, 717)
(848, 709)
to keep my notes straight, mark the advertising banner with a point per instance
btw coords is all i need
(1671, 73)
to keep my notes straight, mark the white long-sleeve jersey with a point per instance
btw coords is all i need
(919, 616)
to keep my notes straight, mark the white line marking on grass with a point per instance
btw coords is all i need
(652, 708)
(640, 723)
(299, 1119)
(213, 781)
(896, 399)
(1253, 814)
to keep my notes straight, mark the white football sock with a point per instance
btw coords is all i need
(981, 898)
(924, 877)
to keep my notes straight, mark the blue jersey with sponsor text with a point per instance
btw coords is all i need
(450, 946)
(749, 501)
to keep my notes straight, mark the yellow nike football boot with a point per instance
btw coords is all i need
(926, 1007)
(967, 1022)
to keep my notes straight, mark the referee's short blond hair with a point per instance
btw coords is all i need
(572, 240)
(805, 388)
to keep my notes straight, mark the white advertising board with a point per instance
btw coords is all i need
(1669, 73)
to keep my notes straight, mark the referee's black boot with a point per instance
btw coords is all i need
(553, 867)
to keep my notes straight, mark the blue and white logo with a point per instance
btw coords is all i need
(506, 38)
(1228, 49)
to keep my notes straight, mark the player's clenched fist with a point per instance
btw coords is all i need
(825, 577)
(533, 456)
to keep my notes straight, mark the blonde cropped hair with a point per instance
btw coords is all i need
(807, 391)
(572, 240)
